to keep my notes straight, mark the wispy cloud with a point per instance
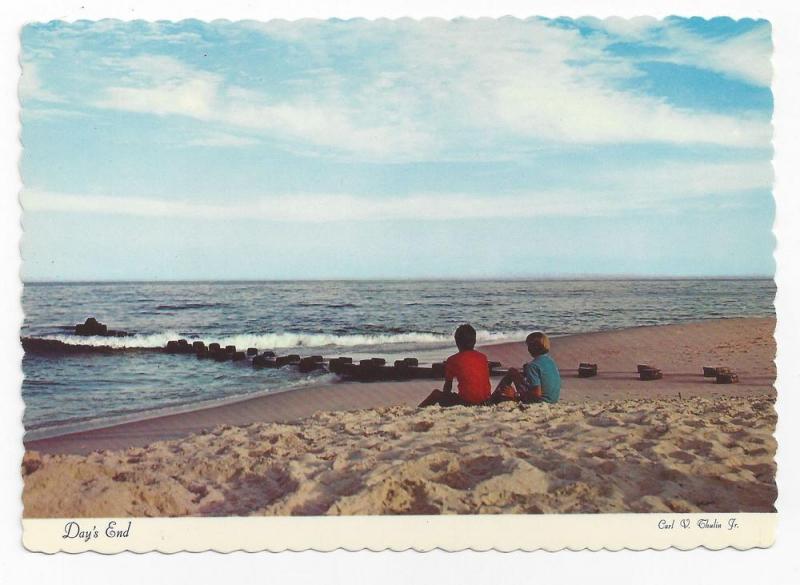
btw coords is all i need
(655, 189)
(437, 89)
(30, 85)
(221, 140)
(745, 56)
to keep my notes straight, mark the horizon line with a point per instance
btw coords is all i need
(565, 277)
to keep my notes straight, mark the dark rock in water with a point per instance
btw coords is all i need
(221, 356)
(348, 370)
(261, 361)
(198, 345)
(38, 346)
(287, 359)
(172, 346)
(269, 354)
(91, 327)
(238, 356)
(586, 370)
(411, 361)
(438, 370)
(315, 358)
(213, 347)
(252, 351)
(379, 361)
(309, 365)
(230, 348)
(184, 347)
(338, 365)
(202, 353)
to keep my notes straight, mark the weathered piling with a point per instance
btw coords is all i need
(213, 347)
(285, 360)
(587, 370)
(727, 378)
(309, 364)
(251, 351)
(261, 361)
(238, 356)
(715, 371)
(647, 374)
(198, 345)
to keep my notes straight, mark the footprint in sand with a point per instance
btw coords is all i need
(682, 456)
(473, 471)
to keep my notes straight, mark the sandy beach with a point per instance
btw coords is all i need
(614, 443)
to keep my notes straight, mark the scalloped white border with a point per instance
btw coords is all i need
(781, 558)
(504, 533)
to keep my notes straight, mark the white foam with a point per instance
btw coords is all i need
(130, 342)
(285, 340)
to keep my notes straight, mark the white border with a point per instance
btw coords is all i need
(775, 564)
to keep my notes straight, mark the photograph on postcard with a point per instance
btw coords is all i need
(371, 268)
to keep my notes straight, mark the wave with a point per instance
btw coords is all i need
(285, 340)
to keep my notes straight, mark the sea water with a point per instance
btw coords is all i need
(65, 392)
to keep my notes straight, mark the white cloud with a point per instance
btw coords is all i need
(661, 188)
(221, 140)
(30, 85)
(437, 89)
(745, 57)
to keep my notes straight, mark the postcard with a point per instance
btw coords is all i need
(412, 283)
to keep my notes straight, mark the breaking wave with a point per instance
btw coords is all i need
(285, 340)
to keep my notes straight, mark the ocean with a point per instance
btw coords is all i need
(68, 392)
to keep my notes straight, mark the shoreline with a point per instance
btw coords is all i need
(617, 352)
(100, 423)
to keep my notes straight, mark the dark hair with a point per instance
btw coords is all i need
(465, 337)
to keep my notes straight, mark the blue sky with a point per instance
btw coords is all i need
(399, 149)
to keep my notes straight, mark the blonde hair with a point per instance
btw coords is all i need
(539, 342)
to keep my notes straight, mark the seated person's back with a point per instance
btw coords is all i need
(471, 369)
(542, 371)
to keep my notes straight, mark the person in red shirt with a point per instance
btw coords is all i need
(470, 368)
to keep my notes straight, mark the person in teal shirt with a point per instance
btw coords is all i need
(539, 381)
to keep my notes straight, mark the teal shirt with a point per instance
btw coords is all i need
(543, 371)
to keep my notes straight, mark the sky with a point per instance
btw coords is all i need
(396, 149)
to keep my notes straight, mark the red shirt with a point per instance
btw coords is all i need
(471, 369)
